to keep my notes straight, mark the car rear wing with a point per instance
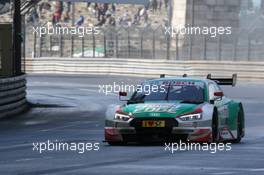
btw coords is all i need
(224, 81)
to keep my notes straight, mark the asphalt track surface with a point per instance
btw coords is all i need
(71, 109)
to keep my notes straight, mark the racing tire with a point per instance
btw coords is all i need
(215, 129)
(117, 143)
(239, 127)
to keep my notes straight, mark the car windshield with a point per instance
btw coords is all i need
(187, 92)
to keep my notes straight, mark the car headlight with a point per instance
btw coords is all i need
(191, 117)
(122, 116)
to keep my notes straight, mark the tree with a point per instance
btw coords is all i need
(4, 6)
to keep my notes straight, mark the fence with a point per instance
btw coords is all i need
(150, 43)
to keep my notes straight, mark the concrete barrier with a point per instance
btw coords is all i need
(12, 96)
(146, 68)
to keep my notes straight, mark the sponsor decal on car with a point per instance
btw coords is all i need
(157, 108)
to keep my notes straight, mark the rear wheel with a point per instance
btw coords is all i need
(239, 127)
(215, 130)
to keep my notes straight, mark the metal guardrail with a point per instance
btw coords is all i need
(12, 96)
(146, 68)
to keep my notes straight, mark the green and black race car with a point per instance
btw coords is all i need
(191, 109)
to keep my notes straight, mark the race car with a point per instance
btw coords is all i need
(177, 108)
